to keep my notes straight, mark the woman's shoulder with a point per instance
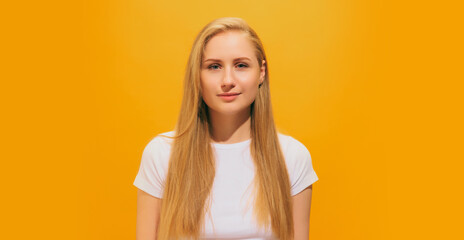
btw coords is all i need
(160, 142)
(166, 136)
(289, 143)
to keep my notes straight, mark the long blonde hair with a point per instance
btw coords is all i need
(192, 165)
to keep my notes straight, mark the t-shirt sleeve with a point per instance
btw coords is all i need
(302, 173)
(152, 171)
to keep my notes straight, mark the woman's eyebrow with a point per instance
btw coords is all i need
(219, 60)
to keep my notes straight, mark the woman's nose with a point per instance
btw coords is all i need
(228, 78)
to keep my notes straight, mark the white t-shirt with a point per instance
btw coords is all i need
(231, 193)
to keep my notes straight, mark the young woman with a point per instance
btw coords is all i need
(225, 172)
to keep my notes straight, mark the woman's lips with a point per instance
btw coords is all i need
(228, 96)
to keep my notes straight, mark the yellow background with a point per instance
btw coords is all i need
(372, 88)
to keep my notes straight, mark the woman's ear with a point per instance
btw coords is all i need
(263, 72)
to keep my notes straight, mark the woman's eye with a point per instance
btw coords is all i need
(212, 66)
(215, 66)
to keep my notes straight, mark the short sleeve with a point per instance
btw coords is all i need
(153, 168)
(301, 170)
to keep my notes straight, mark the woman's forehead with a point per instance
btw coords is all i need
(229, 45)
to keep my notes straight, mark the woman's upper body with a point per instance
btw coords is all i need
(231, 209)
(227, 156)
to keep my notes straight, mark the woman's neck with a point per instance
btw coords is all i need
(228, 129)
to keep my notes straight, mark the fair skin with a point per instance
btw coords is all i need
(229, 66)
(301, 210)
(148, 215)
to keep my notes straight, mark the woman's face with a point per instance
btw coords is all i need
(230, 73)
